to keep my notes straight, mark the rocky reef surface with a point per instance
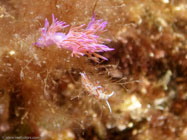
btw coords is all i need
(41, 92)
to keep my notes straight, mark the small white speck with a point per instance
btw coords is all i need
(165, 1)
(58, 6)
(70, 134)
(122, 127)
(144, 90)
(180, 7)
(135, 103)
(130, 125)
(12, 52)
(151, 54)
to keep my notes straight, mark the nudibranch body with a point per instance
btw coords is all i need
(79, 40)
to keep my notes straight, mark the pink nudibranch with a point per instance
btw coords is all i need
(80, 40)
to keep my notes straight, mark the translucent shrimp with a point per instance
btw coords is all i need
(95, 89)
